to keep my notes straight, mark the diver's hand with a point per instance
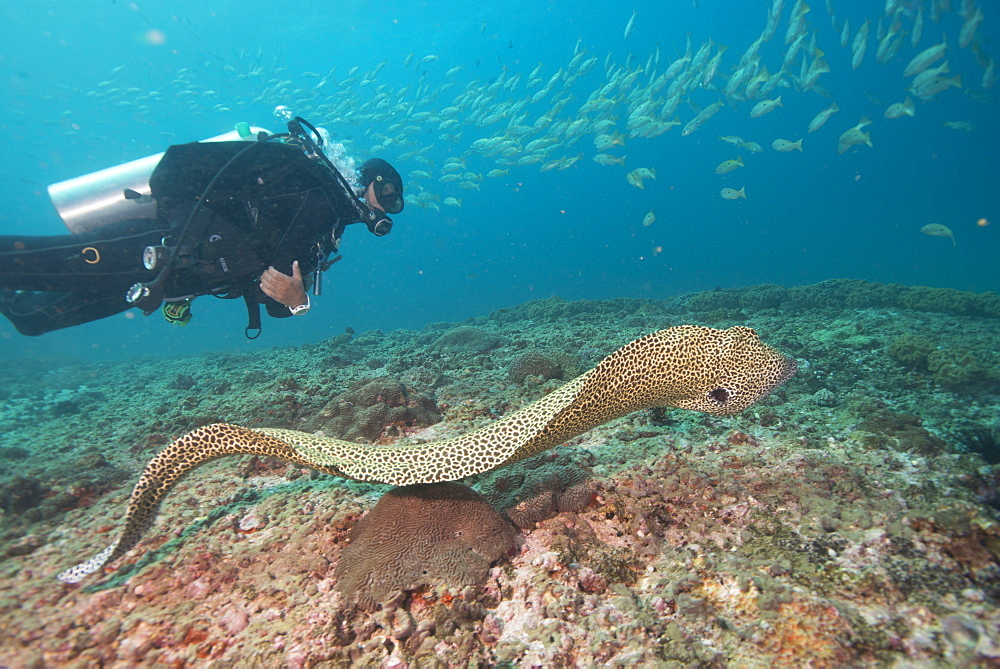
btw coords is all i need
(288, 290)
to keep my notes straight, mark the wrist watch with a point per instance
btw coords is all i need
(301, 309)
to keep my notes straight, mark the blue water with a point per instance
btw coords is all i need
(575, 233)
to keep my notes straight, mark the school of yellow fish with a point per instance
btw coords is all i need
(538, 117)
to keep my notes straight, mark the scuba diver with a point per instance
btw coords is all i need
(257, 218)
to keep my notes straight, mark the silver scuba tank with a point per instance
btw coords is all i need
(91, 201)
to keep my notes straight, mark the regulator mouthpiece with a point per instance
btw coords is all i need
(380, 226)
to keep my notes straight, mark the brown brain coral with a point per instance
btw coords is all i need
(467, 339)
(911, 350)
(545, 364)
(956, 366)
(422, 535)
(375, 408)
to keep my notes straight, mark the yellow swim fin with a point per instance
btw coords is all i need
(178, 313)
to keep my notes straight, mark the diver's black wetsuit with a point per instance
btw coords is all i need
(269, 205)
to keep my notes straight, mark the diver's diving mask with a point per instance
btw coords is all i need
(388, 196)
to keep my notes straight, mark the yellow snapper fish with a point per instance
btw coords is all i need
(634, 179)
(936, 85)
(731, 139)
(989, 75)
(860, 45)
(963, 126)
(765, 106)
(927, 75)
(648, 219)
(922, 60)
(853, 136)
(699, 120)
(786, 145)
(604, 125)
(938, 230)
(821, 118)
(631, 24)
(733, 194)
(453, 202)
(968, 31)
(605, 159)
(603, 142)
(752, 147)
(918, 27)
(888, 44)
(646, 172)
(901, 109)
(727, 166)
(797, 21)
(497, 173)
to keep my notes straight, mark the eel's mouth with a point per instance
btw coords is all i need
(720, 396)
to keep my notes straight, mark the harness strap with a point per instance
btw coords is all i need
(253, 314)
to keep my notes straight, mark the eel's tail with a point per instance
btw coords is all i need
(184, 454)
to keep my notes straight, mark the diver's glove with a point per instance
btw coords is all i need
(178, 313)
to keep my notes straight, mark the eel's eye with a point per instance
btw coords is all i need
(720, 395)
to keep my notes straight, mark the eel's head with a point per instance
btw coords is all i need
(730, 370)
(719, 372)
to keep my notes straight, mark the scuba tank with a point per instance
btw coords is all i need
(91, 201)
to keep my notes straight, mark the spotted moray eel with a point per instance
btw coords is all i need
(718, 372)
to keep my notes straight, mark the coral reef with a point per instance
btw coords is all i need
(422, 535)
(956, 366)
(849, 520)
(852, 293)
(466, 339)
(537, 489)
(542, 365)
(375, 409)
(911, 350)
(883, 429)
(947, 367)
